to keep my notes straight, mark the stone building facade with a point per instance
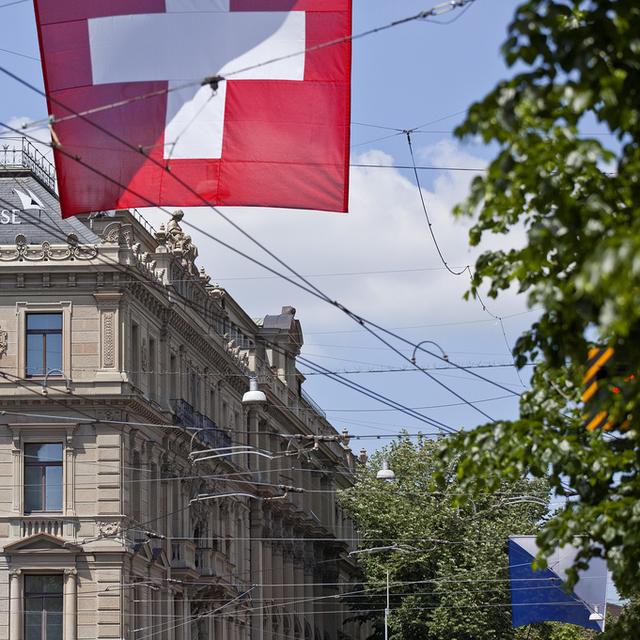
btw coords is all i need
(140, 497)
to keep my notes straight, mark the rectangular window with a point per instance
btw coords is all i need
(43, 607)
(44, 344)
(42, 477)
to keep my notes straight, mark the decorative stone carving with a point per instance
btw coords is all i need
(174, 240)
(108, 528)
(109, 342)
(4, 342)
(45, 252)
(118, 233)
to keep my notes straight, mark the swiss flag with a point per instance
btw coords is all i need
(273, 135)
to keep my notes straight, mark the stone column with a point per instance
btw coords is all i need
(318, 591)
(15, 604)
(70, 606)
(186, 616)
(257, 569)
(278, 579)
(299, 590)
(310, 603)
(289, 591)
(169, 610)
(69, 473)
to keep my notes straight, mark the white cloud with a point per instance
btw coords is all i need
(386, 230)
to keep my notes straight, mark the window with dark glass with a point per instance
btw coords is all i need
(43, 611)
(42, 477)
(44, 343)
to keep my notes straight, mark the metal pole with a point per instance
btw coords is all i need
(386, 612)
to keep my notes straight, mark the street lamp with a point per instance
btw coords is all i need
(385, 473)
(254, 395)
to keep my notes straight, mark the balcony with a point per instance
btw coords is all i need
(184, 413)
(215, 437)
(183, 558)
(211, 435)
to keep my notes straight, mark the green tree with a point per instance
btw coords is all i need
(449, 573)
(578, 199)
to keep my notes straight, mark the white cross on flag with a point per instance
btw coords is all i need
(273, 135)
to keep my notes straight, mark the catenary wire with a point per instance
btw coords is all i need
(310, 363)
(447, 6)
(454, 272)
(362, 321)
(366, 324)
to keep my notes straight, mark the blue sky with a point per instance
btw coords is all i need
(415, 74)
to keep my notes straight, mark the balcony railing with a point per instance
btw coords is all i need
(19, 153)
(185, 413)
(210, 433)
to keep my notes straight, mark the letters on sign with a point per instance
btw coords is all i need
(9, 216)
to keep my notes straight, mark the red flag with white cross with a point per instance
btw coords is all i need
(273, 133)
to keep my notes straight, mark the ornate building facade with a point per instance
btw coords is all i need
(142, 498)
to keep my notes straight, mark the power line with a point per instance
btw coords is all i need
(418, 167)
(427, 326)
(17, 53)
(11, 4)
(445, 7)
(366, 324)
(344, 381)
(401, 131)
(369, 392)
(453, 272)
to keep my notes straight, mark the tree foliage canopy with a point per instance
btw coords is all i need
(577, 196)
(449, 573)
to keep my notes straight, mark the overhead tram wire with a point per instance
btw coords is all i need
(372, 394)
(453, 272)
(401, 131)
(366, 392)
(366, 324)
(20, 55)
(320, 294)
(439, 9)
(309, 363)
(11, 4)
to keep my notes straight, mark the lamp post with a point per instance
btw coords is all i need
(392, 547)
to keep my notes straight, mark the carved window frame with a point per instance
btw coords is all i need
(50, 434)
(22, 309)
